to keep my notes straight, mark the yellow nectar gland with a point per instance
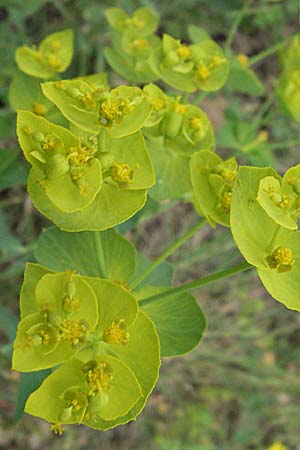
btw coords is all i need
(228, 176)
(57, 429)
(226, 200)
(73, 331)
(202, 72)
(184, 52)
(116, 333)
(53, 62)
(277, 446)
(215, 61)
(39, 109)
(138, 23)
(122, 174)
(181, 109)
(139, 44)
(196, 123)
(98, 378)
(49, 143)
(263, 136)
(281, 259)
(243, 60)
(158, 104)
(55, 45)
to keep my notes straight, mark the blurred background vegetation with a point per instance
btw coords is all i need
(240, 390)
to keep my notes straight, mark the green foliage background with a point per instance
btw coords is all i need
(240, 389)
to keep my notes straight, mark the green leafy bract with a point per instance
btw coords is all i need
(70, 383)
(53, 55)
(57, 312)
(281, 198)
(212, 181)
(211, 66)
(130, 68)
(69, 172)
(25, 93)
(122, 111)
(143, 21)
(284, 283)
(254, 232)
(110, 207)
(119, 359)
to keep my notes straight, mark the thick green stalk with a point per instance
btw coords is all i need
(167, 253)
(197, 283)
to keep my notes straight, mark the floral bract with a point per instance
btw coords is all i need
(94, 327)
(75, 179)
(53, 55)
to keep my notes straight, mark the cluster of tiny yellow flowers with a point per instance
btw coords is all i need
(113, 110)
(281, 259)
(116, 333)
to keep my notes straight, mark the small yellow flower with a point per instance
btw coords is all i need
(243, 59)
(277, 446)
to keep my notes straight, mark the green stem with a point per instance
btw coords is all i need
(197, 283)
(199, 97)
(269, 51)
(263, 109)
(167, 253)
(235, 25)
(284, 144)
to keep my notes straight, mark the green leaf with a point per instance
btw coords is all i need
(179, 321)
(103, 254)
(244, 80)
(109, 208)
(8, 323)
(161, 276)
(29, 382)
(197, 34)
(129, 67)
(12, 171)
(10, 245)
(170, 166)
(25, 93)
(254, 232)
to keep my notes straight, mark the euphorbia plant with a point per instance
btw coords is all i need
(92, 309)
